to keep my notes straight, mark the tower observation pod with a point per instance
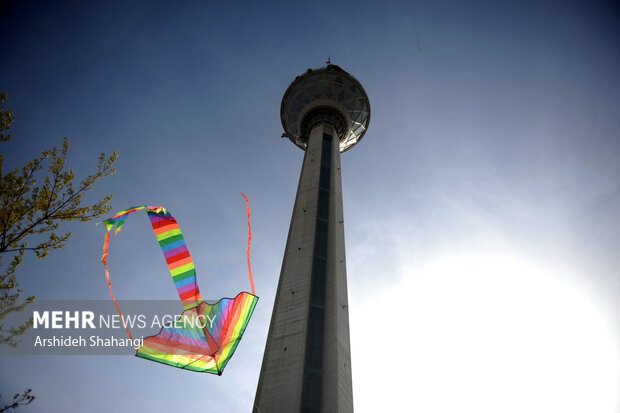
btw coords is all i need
(307, 361)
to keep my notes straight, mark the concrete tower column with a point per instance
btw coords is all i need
(307, 360)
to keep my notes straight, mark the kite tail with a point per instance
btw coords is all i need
(247, 203)
(104, 260)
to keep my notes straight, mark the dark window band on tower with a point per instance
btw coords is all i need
(312, 388)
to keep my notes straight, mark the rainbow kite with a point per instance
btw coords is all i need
(206, 335)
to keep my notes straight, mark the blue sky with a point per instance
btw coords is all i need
(489, 181)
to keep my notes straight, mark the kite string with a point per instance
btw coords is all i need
(415, 30)
(104, 259)
(247, 203)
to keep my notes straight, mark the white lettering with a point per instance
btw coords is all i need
(56, 319)
(156, 322)
(75, 319)
(87, 318)
(41, 319)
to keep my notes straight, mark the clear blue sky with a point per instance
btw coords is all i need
(491, 166)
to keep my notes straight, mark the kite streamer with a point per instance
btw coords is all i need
(247, 203)
(208, 333)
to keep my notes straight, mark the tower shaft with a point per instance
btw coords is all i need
(307, 360)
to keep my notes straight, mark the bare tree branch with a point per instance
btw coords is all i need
(19, 400)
